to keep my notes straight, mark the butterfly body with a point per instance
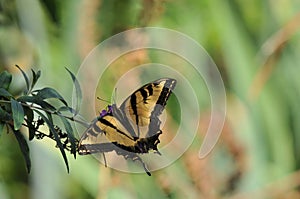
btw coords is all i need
(134, 127)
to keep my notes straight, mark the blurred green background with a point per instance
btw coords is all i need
(254, 44)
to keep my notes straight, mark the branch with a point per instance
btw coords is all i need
(85, 124)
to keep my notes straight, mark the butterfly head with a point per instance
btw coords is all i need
(106, 111)
(109, 108)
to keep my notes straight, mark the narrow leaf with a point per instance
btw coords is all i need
(46, 105)
(5, 79)
(70, 133)
(24, 148)
(27, 98)
(67, 124)
(25, 77)
(49, 116)
(35, 77)
(4, 115)
(53, 131)
(17, 114)
(78, 94)
(4, 93)
(66, 108)
(47, 93)
(36, 100)
(29, 121)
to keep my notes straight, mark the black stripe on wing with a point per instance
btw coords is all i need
(154, 126)
(167, 90)
(109, 124)
(145, 92)
(123, 119)
(92, 131)
(142, 145)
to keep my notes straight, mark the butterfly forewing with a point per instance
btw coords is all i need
(147, 102)
(115, 130)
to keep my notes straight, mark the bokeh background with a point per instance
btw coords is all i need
(255, 45)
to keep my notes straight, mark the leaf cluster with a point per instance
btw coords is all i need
(32, 109)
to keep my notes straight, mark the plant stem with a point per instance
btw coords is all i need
(85, 124)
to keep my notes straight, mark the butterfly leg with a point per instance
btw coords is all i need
(137, 158)
(104, 158)
(134, 158)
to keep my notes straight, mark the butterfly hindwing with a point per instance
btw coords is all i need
(111, 128)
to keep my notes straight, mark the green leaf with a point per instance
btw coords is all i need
(36, 100)
(47, 93)
(66, 108)
(24, 148)
(26, 98)
(5, 79)
(17, 114)
(53, 131)
(4, 115)
(49, 116)
(78, 94)
(25, 77)
(70, 133)
(4, 93)
(29, 121)
(46, 105)
(35, 77)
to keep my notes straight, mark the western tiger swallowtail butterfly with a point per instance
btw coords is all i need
(134, 127)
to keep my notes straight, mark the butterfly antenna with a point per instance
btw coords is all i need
(115, 96)
(157, 151)
(145, 168)
(104, 100)
(104, 158)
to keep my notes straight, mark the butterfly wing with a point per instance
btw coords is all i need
(146, 104)
(141, 109)
(104, 128)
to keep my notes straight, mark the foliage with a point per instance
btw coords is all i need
(32, 110)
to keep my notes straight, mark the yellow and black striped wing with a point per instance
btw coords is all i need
(121, 126)
(104, 129)
(145, 105)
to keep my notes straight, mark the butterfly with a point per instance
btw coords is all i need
(134, 127)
